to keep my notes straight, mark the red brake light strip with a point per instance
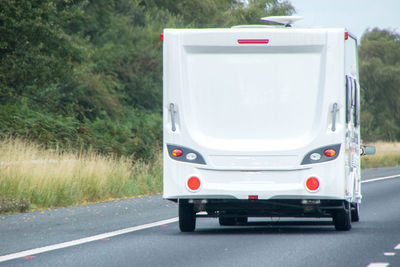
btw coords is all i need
(253, 41)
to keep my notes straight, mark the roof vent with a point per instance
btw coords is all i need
(283, 20)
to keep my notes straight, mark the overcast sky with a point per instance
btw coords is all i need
(355, 15)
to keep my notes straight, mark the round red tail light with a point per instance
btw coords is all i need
(312, 184)
(330, 152)
(193, 183)
(177, 152)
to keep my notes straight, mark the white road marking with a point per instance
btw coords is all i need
(84, 240)
(389, 254)
(382, 264)
(378, 264)
(380, 178)
(137, 228)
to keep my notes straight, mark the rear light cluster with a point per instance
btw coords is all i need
(322, 154)
(178, 153)
(185, 154)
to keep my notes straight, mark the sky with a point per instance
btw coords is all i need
(355, 15)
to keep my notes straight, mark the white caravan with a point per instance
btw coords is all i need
(261, 121)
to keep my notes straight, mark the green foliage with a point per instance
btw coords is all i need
(50, 129)
(82, 74)
(36, 54)
(380, 84)
(221, 13)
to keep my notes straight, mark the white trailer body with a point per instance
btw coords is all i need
(261, 122)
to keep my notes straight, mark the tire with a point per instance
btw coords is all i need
(342, 219)
(187, 217)
(355, 212)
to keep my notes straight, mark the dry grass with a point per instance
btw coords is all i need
(32, 177)
(51, 178)
(387, 154)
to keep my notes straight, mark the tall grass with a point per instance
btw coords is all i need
(387, 155)
(34, 177)
(51, 178)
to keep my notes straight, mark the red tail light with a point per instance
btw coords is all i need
(312, 184)
(177, 152)
(253, 197)
(161, 37)
(253, 41)
(193, 183)
(346, 35)
(330, 152)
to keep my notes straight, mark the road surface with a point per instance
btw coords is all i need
(144, 232)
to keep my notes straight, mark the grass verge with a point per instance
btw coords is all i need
(32, 177)
(387, 155)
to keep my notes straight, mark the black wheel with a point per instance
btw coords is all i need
(355, 212)
(187, 217)
(342, 219)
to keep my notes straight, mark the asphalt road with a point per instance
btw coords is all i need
(263, 242)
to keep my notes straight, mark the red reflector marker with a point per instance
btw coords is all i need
(253, 41)
(193, 183)
(330, 152)
(177, 152)
(312, 184)
(161, 37)
(253, 197)
(346, 35)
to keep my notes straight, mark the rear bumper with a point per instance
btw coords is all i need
(316, 208)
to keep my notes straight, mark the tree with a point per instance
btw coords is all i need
(379, 55)
(88, 73)
(221, 13)
(36, 54)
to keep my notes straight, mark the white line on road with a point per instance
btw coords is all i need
(84, 240)
(378, 264)
(380, 178)
(389, 254)
(129, 230)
